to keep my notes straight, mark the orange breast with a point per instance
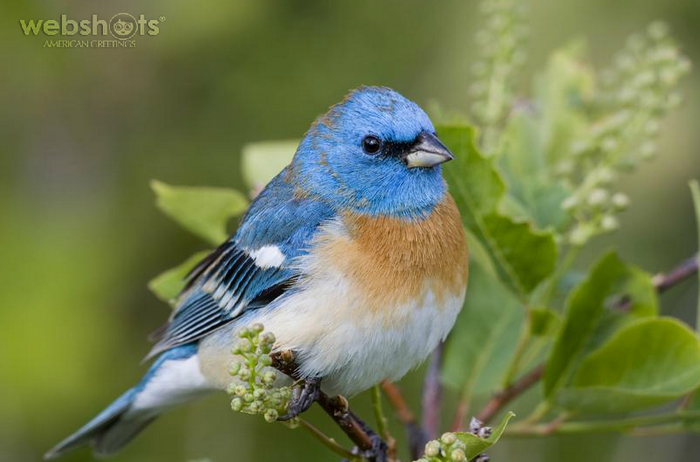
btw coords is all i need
(393, 262)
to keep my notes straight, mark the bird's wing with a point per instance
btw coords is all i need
(249, 270)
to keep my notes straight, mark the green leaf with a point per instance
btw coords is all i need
(522, 256)
(587, 323)
(203, 211)
(527, 256)
(647, 363)
(476, 445)
(695, 191)
(264, 160)
(694, 402)
(544, 322)
(167, 285)
(524, 164)
(484, 337)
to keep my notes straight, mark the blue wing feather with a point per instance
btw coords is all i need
(228, 281)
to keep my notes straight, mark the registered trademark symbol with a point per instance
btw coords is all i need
(162, 18)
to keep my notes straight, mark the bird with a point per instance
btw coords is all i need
(354, 256)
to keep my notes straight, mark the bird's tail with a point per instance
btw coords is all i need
(108, 431)
(173, 379)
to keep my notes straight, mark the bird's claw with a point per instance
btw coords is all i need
(378, 452)
(303, 397)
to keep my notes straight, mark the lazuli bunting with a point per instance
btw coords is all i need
(354, 256)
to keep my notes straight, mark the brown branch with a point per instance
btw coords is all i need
(432, 394)
(337, 408)
(513, 391)
(398, 402)
(416, 435)
(662, 282)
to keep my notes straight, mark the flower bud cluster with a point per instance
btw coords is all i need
(449, 448)
(502, 54)
(637, 92)
(254, 391)
(594, 206)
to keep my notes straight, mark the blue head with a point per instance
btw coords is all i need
(376, 153)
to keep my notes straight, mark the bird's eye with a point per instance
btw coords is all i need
(371, 144)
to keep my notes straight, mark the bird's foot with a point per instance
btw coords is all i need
(303, 396)
(377, 453)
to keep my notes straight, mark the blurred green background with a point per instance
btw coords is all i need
(82, 131)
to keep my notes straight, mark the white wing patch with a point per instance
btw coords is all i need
(269, 256)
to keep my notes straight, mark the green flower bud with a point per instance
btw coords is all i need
(620, 201)
(609, 223)
(240, 390)
(294, 423)
(260, 393)
(448, 438)
(271, 415)
(245, 345)
(257, 328)
(235, 368)
(458, 455)
(432, 449)
(244, 333)
(459, 444)
(598, 197)
(244, 374)
(237, 404)
(248, 397)
(268, 338)
(265, 360)
(580, 235)
(269, 377)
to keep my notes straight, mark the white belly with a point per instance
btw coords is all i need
(338, 339)
(359, 314)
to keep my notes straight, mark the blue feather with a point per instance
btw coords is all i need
(112, 428)
(276, 218)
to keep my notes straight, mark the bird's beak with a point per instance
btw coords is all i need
(427, 151)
